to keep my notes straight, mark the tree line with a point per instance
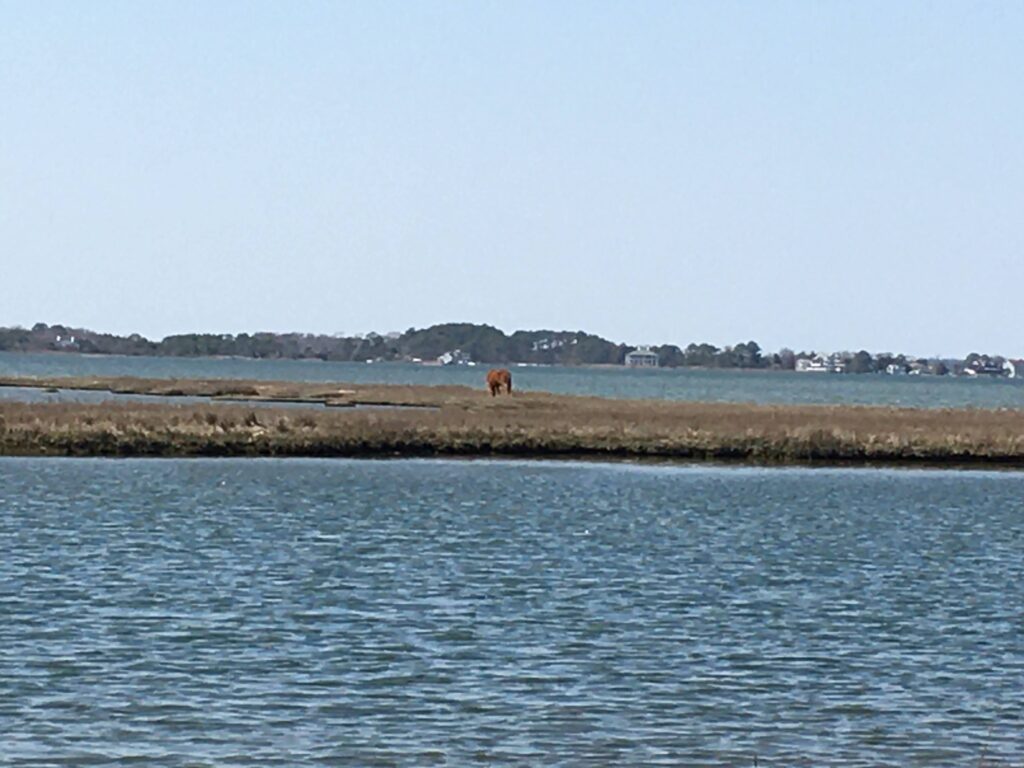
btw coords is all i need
(480, 343)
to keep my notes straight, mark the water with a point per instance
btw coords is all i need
(312, 613)
(669, 384)
(93, 396)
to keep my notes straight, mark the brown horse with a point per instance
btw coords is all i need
(498, 378)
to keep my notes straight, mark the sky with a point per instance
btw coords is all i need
(817, 175)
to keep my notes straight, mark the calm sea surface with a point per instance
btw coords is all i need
(302, 612)
(670, 384)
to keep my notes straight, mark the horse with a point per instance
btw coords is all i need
(498, 378)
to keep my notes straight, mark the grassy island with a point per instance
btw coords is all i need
(248, 418)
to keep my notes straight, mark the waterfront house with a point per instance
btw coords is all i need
(919, 368)
(984, 365)
(642, 357)
(816, 364)
(834, 363)
(455, 357)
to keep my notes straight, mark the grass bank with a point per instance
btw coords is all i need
(467, 422)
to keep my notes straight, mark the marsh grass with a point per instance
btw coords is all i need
(470, 422)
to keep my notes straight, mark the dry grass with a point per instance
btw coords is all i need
(470, 422)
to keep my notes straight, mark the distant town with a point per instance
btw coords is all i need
(474, 344)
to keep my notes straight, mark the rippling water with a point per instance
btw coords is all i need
(300, 612)
(664, 383)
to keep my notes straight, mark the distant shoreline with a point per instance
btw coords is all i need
(374, 420)
(486, 345)
(423, 364)
(615, 367)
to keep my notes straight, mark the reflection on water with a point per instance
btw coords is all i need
(254, 612)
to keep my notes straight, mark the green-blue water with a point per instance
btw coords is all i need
(668, 384)
(300, 612)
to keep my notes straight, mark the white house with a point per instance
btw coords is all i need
(817, 364)
(834, 363)
(642, 357)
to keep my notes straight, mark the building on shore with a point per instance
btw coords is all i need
(455, 357)
(642, 357)
(834, 363)
(995, 367)
(816, 364)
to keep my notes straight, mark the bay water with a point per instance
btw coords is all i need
(784, 387)
(418, 612)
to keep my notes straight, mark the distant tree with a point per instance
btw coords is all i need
(884, 359)
(483, 343)
(861, 362)
(593, 350)
(670, 356)
(701, 354)
(747, 355)
(15, 340)
(787, 359)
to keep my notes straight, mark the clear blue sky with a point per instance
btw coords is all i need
(829, 175)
